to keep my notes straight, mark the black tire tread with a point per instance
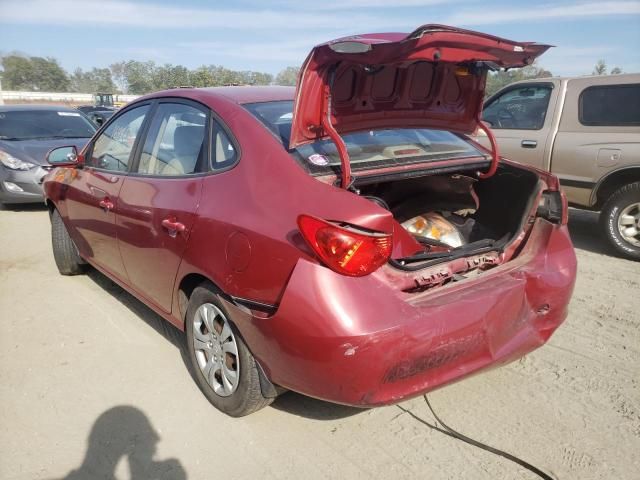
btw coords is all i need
(65, 253)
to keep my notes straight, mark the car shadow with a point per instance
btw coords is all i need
(23, 207)
(151, 318)
(289, 402)
(586, 234)
(121, 432)
(312, 408)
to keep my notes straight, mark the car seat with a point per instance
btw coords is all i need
(187, 143)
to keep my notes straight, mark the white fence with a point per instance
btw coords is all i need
(15, 96)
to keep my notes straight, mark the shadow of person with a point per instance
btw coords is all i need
(125, 431)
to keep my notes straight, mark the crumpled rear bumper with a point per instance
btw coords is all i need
(357, 341)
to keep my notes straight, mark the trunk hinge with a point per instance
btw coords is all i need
(345, 165)
(495, 152)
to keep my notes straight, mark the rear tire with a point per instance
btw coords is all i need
(620, 221)
(222, 365)
(65, 251)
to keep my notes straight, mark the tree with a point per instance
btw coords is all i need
(169, 76)
(288, 76)
(600, 68)
(93, 81)
(616, 71)
(133, 76)
(34, 74)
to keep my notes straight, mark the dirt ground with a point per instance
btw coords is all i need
(84, 365)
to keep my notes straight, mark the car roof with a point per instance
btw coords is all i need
(237, 94)
(35, 107)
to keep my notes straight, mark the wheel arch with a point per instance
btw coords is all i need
(607, 185)
(187, 285)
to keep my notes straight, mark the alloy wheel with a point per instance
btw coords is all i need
(216, 349)
(629, 224)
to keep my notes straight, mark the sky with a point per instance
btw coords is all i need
(270, 35)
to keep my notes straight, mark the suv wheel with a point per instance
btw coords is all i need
(620, 219)
(65, 251)
(222, 365)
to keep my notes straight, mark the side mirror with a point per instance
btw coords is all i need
(63, 156)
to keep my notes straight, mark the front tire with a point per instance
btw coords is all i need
(222, 365)
(65, 252)
(620, 220)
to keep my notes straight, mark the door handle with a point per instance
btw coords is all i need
(106, 204)
(529, 144)
(173, 226)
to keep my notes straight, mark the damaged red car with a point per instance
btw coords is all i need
(344, 240)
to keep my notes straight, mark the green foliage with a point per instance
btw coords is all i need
(92, 81)
(498, 80)
(600, 68)
(288, 76)
(33, 74)
(142, 77)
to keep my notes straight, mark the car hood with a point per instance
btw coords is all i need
(433, 77)
(35, 151)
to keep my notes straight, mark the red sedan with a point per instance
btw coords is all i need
(345, 240)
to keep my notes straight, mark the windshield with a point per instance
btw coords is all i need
(44, 124)
(372, 148)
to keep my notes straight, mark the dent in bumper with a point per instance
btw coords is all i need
(357, 341)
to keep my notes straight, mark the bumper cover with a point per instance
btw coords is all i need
(359, 342)
(30, 181)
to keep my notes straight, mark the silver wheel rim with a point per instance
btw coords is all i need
(629, 224)
(216, 349)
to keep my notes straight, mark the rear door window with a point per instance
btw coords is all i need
(519, 108)
(610, 105)
(175, 144)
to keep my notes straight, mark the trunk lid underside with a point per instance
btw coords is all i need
(432, 78)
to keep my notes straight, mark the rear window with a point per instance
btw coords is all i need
(372, 148)
(44, 124)
(610, 105)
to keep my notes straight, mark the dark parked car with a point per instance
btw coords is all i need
(98, 116)
(345, 241)
(27, 133)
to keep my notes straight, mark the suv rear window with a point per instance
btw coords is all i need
(372, 148)
(610, 105)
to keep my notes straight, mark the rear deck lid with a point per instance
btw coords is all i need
(432, 78)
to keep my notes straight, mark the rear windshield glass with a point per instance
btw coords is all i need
(44, 124)
(372, 148)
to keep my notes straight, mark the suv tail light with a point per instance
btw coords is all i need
(554, 207)
(346, 249)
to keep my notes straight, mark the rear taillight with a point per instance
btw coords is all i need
(554, 207)
(346, 249)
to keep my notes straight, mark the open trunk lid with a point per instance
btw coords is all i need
(432, 78)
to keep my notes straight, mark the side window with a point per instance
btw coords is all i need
(224, 153)
(522, 108)
(610, 105)
(175, 144)
(112, 149)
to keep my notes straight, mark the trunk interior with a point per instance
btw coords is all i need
(456, 215)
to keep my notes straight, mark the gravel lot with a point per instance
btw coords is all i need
(75, 348)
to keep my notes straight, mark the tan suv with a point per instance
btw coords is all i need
(585, 130)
